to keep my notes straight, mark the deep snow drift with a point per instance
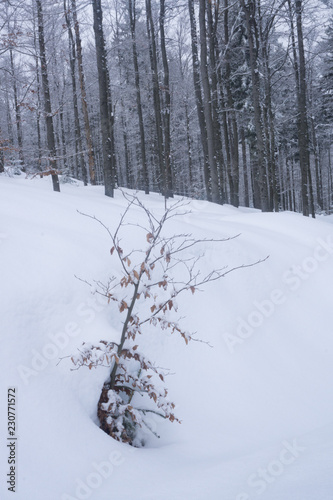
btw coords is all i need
(256, 407)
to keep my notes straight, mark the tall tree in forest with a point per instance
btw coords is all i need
(156, 97)
(198, 97)
(91, 157)
(17, 105)
(47, 100)
(38, 95)
(213, 65)
(132, 18)
(207, 107)
(167, 106)
(302, 122)
(231, 125)
(105, 102)
(260, 174)
(79, 156)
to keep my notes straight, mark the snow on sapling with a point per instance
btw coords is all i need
(152, 276)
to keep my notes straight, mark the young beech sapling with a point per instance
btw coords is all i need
(152, 277)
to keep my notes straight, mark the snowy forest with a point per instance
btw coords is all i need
(166, 249)
(224, 101)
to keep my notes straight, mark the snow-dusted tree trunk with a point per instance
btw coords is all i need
(17, 105)
(47, 99)
(260, 177)
(79, 155)
(156, 97)
(91, 157)
(303, 129)
(132, 18)
(105, 103)
(207, 104)
(198, 97)
(168, 190)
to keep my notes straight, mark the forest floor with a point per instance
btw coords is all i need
(256, 405)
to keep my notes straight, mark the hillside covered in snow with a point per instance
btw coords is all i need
(254, 397)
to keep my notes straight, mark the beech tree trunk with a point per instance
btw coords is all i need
(17, 110)
(91, 156)
(245, 173)
(79, 155)
(132, 16)
(253, 44)
(167, 107)
(303, 129)
(216, 195)
(2, 160)
(233, 134)
(198, 98)
(105, 104)
(47, 100)
(38, 107)
(157, 99)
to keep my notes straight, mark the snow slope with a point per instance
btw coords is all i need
(256, 407)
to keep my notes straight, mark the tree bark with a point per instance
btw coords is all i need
(245, 173)
(167, 106)
(233, 135)
(105, 104)
(79, 156)
(2, 159)
(132, 16)
(47, 100)
(216, 195)
(91, 156)
(319, 184)
(301, 94)
(38, 107)
(253, 44)
(17, 111)
(198, 98)
(156, 97)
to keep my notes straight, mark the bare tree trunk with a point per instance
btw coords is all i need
(227, 146)
(301, 94)
(233, 135)
(216, 195)
(156, 96)
(79, 155)
(198, 98)
(328, 197)
(2, 159)
(270, 131)
(303, 131)
(319, 186)
(17, 110)
(189, 148)
(167, 107)
(128, 165)
(38, 108)
(8, 113)
(188, 186)
(132, 16)
(62, 130)
(253, 43)
(245, 173)
(91, 156)
(47, 101)
(109, 164)
(214, 58)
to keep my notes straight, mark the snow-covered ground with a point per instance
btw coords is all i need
(256, 407)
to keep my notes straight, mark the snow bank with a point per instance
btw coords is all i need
(256, 407)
